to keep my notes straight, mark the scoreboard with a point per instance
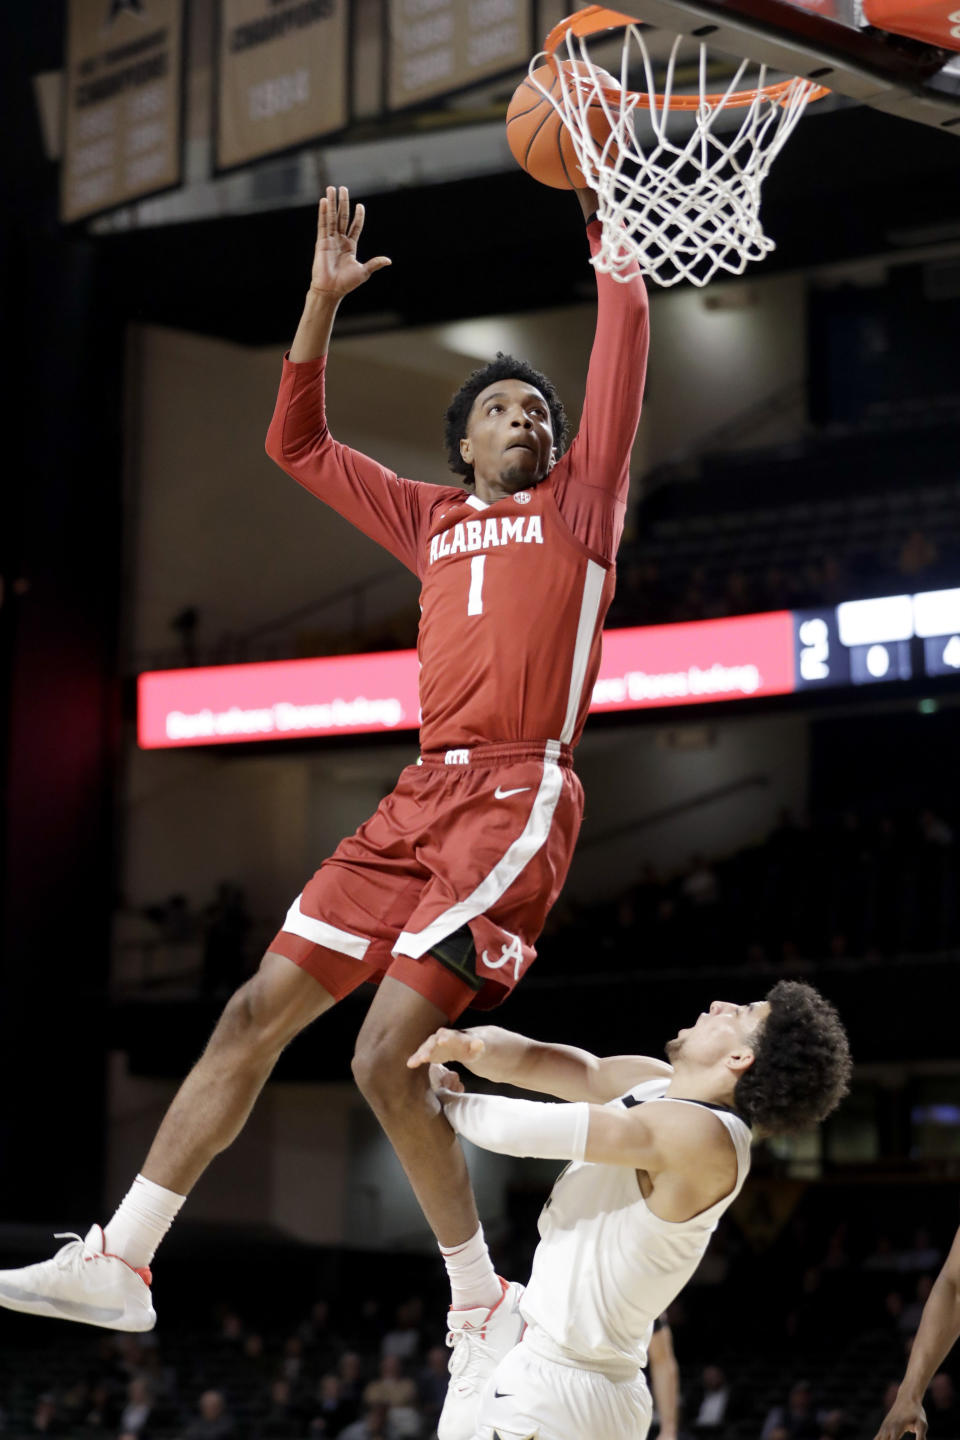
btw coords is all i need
(882, 641)
(868, 642)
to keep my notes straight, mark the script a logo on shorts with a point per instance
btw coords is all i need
(523, 497)
(512, 951)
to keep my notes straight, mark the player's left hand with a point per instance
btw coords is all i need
(445, 1045)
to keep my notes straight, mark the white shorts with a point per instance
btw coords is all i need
(530, 1398)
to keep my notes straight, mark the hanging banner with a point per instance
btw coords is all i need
(282, 75)
(123, 103)
(437, 46)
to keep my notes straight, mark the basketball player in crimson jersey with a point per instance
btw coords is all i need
(440, 896)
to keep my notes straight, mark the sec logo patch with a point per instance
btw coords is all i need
(522, 497)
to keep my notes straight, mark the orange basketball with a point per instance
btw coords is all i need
(539, 140)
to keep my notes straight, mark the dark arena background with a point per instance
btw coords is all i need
(770, 797)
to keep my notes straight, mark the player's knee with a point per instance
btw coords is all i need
(380, 1071)
(250, 1020)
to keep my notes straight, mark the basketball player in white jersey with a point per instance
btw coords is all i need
(657, 1152)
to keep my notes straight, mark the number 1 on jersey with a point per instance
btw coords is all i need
(475, 600)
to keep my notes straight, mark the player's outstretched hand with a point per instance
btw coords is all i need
(336, 269)
(446, 1045)
(905, 1417)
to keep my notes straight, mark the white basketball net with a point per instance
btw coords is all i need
(688, 206)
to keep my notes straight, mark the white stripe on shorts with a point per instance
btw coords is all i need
(501, 877)
(323, 934)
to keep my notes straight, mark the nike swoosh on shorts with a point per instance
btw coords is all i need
(499, 794)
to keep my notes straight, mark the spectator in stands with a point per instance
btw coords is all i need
(372, 1425)
(403, 1340)
(711, 1408)
(398, 1392)
(320, 1340)
(943, 1413)
(934, 829)
(231, 1328)
(282, 1417)
(922, 1255)
(46, 1418)
(912, 1312)
(835, 1425)
(331, 1407)
(74, 1406)
(291, 1366)
(102, 1411)
(213, 1421)
(135, 1415)
(350, 1371)
(432, 1384)
(391, 1386)
(257, 1364)
(797, 1417)
(699, 886)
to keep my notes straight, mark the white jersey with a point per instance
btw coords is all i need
(606, 1266)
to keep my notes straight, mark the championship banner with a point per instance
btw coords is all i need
(436, 46)
(123, 103)
(281, 76)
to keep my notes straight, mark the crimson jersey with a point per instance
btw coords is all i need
(513, 593)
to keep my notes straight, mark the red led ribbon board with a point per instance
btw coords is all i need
(643, 667)
(278, 700)
(696, 663)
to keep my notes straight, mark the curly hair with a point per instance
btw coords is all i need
(504, 367)
(801, 1067)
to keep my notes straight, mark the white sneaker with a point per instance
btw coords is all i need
(479, 1340)
(83, 1283)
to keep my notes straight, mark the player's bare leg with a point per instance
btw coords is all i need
(214, 1102)
(398, 1022)
(104, 1279)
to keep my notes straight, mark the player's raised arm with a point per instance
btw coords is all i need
(336, 271)
(685, 1140)
(938, 1332)
(372, 497)
(561, 1070)
(592, 482)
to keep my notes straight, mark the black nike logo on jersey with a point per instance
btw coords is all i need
(502, 1394)
(498, 1436)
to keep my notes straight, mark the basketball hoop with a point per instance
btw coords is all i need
(685, 206)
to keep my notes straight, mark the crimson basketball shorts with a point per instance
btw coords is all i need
(471, 845)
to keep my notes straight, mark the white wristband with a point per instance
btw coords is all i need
(519, 1127)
